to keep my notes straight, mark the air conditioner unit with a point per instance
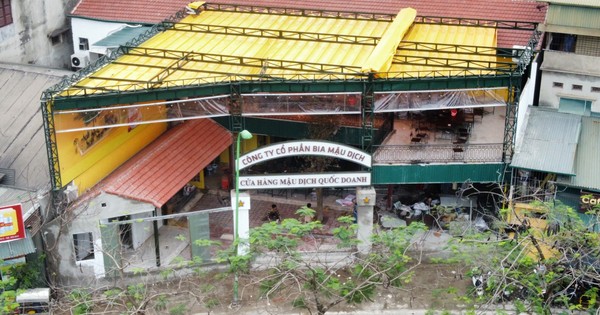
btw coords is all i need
(80, 59)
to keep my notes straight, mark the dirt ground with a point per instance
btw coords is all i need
(433, 287)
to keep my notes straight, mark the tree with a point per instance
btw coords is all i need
(16, 279)
(330, 274)
(320, 128)
(545, 258)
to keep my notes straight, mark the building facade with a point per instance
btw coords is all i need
(556, 149)
(433, 101)
(35, 32)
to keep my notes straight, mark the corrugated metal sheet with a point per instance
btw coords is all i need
(549, 142)
(18, 248)
(588, 3)
(436, 173)
(12, 195)
(445, 34)
(582, 17)
(154, 11)
(22, 143)
(121, 37)
(182, 56)
(587, 162)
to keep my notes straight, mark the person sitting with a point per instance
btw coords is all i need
(308, 218)
(273, 214)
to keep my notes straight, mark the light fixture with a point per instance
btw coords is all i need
(244, 134)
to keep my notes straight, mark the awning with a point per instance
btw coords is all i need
(549, 142)
(587, 168)
(160, 170)
(17, 248)
(121, 36)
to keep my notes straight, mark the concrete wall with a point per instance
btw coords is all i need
(569, 69)
(26, 40)
(87, 218)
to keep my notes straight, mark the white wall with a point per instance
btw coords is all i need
(93, 31)
(550, 95)
(87, 218)
(26, 40)
(569, 69)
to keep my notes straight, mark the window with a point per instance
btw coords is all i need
(84, 246)
(557, 85)
(577, 87)
(563, 42)
(5, 13)
(595, 89)
(84, 44)
(575, 106)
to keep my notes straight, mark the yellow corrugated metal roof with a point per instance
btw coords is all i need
(443, 60)
(216, 45)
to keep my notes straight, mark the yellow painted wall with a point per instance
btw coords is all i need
(245, 146)
(87, 162)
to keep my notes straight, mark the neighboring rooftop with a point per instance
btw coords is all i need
(549, 142)
(577, 3)
(154, 11)
(158, 171)
(22, 142)
(222, 43)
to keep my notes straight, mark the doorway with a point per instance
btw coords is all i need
(125, 233)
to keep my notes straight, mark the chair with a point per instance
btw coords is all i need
(478, 112)
(458, 152)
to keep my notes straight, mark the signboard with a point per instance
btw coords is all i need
(589, 201)
(284, 181)
(11, 223)
(305, 147)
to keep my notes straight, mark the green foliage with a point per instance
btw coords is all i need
(305, 211)
(212, 302)
(515, 272)
(299, 302)
(25, 276)
(82, 299)
(161, 302)
(353, 284)
(137, 292)
(346, 233)
(8, 303)
(180, 309)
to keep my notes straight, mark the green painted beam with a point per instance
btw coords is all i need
(301, 85)
(436, 173)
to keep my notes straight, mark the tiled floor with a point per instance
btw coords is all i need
(486, 129)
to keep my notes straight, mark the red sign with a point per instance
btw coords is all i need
(11, 223)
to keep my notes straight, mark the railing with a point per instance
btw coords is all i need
(437, 153)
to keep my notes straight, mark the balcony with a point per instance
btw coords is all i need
(441, 136)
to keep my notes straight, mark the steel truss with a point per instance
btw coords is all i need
(317, 77)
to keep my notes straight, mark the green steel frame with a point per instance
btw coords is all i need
(318, 77)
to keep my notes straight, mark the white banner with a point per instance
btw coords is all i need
(285, 181)
(305, 147)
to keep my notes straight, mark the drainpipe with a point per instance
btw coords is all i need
(156, 244)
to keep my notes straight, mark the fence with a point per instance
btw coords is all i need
(438, 153)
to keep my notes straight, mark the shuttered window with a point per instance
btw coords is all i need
(5, 13)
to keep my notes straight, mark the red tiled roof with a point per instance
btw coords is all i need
(133, 11)
(154, 11)
(157, 172)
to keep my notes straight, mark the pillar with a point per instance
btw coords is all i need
(243, 215)
(365, 201)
